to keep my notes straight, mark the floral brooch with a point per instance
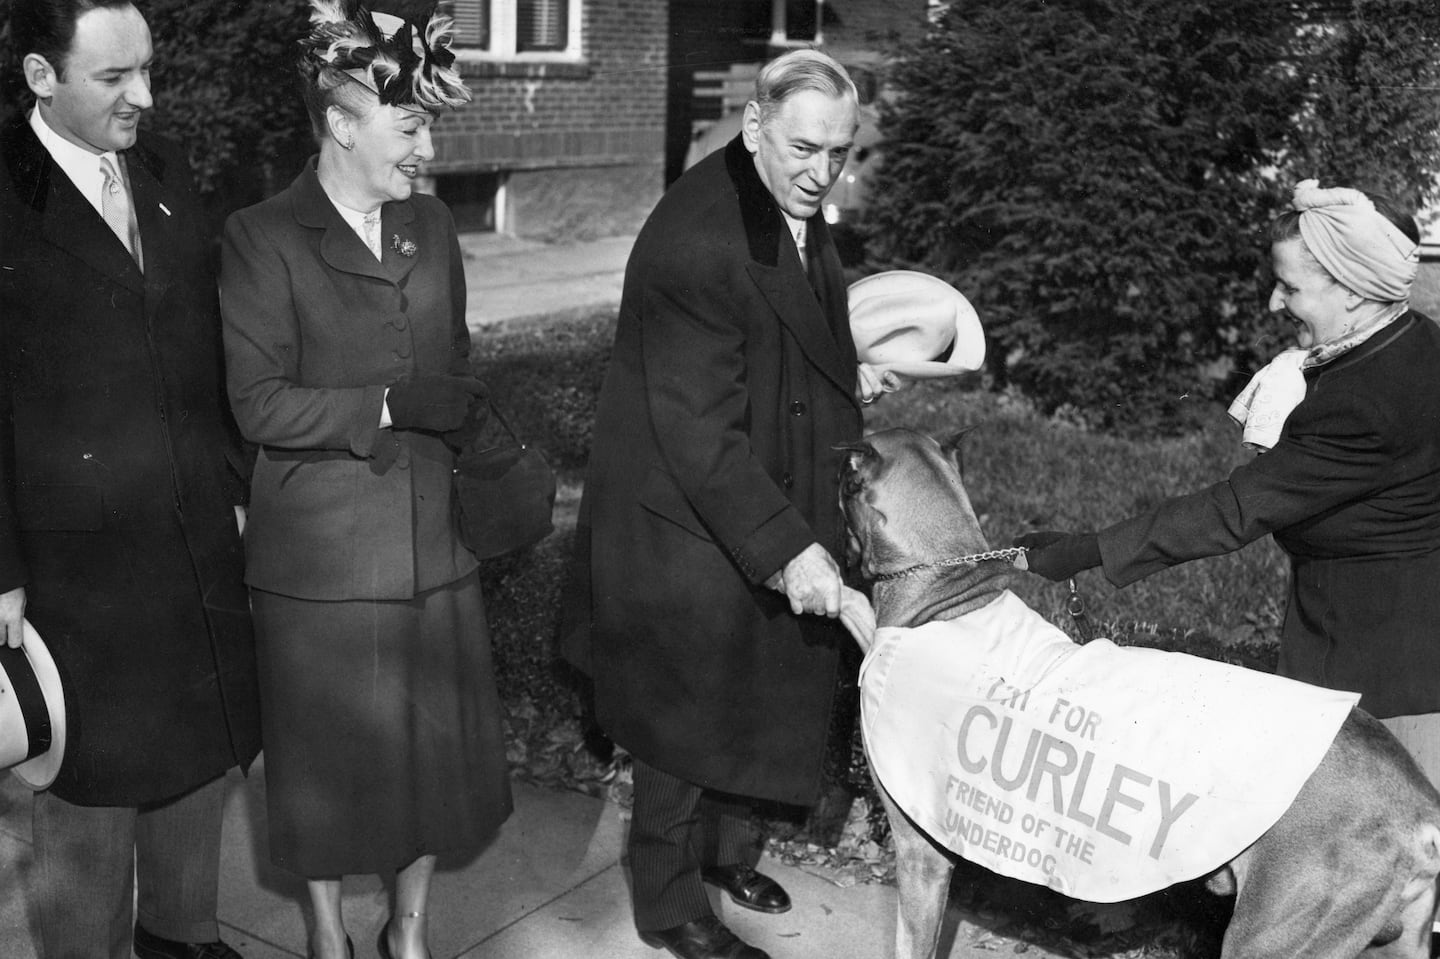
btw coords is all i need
(403, 247)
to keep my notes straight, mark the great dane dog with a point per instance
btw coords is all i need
(1348, 870)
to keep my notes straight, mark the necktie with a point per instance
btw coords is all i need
(372, 233)
(115, 208)
(800, 246)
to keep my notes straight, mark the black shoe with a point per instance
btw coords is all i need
(748, 888)
(706, 938)
(150, 946)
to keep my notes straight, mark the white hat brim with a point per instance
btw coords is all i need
(898, 295)
(40, 772)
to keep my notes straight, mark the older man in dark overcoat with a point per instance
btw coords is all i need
(119, 482)
(706, 581)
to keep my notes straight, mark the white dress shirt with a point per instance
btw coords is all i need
(82, 166)
(798, 232)
(356, 221)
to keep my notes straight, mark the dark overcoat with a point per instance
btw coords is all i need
(315, 328)
(712, 466)
(119, 473)
(1351, 492)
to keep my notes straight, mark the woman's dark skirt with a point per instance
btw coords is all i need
(382, 730)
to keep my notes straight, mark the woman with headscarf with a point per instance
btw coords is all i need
(347, 358)
(1350, 484)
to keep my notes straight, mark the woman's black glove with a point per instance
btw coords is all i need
(469, 431)
(432, 401)
(1058, 556)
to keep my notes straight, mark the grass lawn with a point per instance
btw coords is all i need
(1024, 472)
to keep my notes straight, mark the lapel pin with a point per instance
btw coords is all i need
(165, 209)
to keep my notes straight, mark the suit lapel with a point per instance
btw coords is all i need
(65, 219)
(340, 247)
(789, 295)
(155, 201)
(776, 270)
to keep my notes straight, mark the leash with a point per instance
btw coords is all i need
(1076, 606)
(1010, 553)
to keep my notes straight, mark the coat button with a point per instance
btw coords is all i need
(399, 321)
(798, 408)
(787, 480)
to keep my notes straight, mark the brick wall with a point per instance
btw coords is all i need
(608, 109)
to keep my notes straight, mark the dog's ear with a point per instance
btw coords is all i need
(951, 447)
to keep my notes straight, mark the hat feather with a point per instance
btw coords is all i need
(414, 66)
(328, 11)
(443, 83)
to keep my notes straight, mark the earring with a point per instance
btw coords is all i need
(350, 144)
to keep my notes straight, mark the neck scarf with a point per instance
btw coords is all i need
(1266, 401)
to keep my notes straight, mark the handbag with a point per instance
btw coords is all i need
(506, 495)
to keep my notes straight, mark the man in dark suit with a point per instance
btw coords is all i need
(119, 493)
(706, 588)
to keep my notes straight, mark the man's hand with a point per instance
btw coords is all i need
(12, 615)
(811, 581)
(875, 383)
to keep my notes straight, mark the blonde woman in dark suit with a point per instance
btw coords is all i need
(344, 306)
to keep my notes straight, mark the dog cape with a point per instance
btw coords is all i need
(1103, 772)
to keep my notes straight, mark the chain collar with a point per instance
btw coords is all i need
(1010, 552)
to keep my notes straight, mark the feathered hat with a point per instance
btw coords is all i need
(400, 49)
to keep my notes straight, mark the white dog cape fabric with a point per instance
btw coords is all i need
(1103, 772)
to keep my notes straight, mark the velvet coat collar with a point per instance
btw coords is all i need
(817, 312)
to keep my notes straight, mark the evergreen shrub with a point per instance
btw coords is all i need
(1094, 176)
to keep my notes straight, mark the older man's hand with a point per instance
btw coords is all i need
(875, 382)
(12, 616)
(811, 581)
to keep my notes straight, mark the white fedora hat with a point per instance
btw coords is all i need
(32, 712)
(903, 320)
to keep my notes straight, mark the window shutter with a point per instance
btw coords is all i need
(472, 22)
(541, 25)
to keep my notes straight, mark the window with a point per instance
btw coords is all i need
(472, 23)
(493, 29)
(475, 200)
(540, 25)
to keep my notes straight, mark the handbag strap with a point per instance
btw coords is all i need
(500, 418)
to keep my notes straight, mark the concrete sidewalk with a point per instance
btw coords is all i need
(551, 886)
(513, 281)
